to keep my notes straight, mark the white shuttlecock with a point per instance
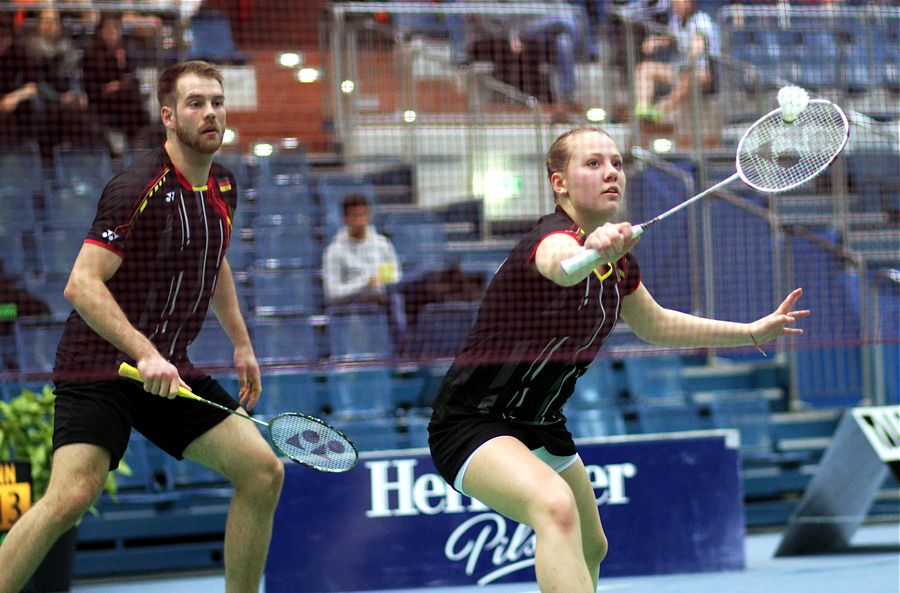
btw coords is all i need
(792, 100)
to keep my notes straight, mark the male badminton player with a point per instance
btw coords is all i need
(151, 265)
(497, 431)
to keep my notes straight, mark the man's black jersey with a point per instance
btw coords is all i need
(534, 338)
(172, 238)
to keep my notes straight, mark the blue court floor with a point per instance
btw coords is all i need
(871, 566)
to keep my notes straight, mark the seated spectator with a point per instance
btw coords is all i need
(110, 81)
(673, 59)
(359, 262)
(66, 115)
(18, 87)
(519, 44)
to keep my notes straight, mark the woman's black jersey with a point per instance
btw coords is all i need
(533, 338)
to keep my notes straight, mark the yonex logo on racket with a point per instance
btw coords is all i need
(309, 440)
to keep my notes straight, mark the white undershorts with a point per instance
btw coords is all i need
(558, 463)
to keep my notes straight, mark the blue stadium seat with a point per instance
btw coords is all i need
(421, 247)
(284, 340)
(287, 204)
(361, 391)
(286, 246)
(212, 348)
(291, 391)
(36, 343)
(371, 434)
(596, 422)
(67, 205)
(58, 247)
(13, 254)
(748, 411)
(858, 66)
(655, 379)
(826, 376)
(282, 168)
(413, 431)
(235, 162)
(670, 418)
(598, 386)
(441, 329)
(22, 175)
(817, 57)
(886, 53)
(359, 332)
(148, 481)
(875, 175)
(85, 170)
(191, 479)
(50, 289)
(211, 40)
(286, 292)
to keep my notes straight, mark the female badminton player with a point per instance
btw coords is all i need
(497, 431)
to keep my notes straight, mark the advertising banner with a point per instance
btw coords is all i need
(669, 504)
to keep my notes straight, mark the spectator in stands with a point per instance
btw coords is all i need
(66, 116)
(519, 43)
(110, 80)
(675, 58)
(18, 87)
(122, 313)
(359, 262)
(498, 432)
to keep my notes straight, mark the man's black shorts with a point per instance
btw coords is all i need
(104, 412)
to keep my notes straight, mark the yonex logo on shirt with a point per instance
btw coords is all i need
(110, 235)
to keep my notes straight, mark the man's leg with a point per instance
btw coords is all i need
(79, 472)
(236, 449)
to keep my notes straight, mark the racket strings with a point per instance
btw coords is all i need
(776, 156)
(312, 443)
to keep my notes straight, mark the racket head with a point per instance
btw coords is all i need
(312, 442)
(774, 156)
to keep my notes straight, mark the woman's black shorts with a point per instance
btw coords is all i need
(454, 437)
(104, 412)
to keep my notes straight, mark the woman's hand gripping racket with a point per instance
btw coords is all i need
(301, 438)
(773, 156)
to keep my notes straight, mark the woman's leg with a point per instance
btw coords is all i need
(505, 475)
(593, 539)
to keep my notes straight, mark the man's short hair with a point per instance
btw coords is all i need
(168, 79)
(353, 201)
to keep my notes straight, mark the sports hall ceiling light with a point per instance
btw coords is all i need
(263, 149)
(409, 116)
(663, 145)
(290, 143)
(595, 114)
(307, 75)
(228, 137)
(290, 59)
(347, 87)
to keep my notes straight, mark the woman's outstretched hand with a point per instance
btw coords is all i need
(778, 322)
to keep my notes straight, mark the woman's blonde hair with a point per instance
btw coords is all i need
(561, 150)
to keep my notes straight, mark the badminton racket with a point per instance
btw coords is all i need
(773, 156)
(303, 439)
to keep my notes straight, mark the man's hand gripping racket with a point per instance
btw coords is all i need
(303, 439)
(778, 152)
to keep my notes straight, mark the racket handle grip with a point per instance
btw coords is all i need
(130, 372)
(589, 256)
